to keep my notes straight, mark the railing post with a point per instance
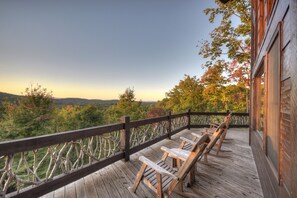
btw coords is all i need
(125, 137)
(227, 112)
(189, 119)
(169, 124)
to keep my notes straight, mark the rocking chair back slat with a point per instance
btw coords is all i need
(214, 138)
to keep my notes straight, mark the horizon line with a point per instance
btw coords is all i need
(84, 98)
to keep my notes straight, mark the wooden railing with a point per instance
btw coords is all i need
(34, 166)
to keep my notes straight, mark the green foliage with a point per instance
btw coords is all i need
(77, 117)
(206, 94)
(2, 110)
(235, 98)
(126, 106)
(213, 81)
(30, 116)
(229, 39)
(187, 94)
(156, 112)
(34, 113)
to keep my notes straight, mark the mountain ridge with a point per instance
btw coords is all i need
(65, 101)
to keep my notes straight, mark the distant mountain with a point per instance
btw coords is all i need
(59, 102)
(10, 97)
(81, 101)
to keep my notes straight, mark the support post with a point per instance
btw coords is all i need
(169, 125)
(189, 119)
(227, 112)
(125, 137)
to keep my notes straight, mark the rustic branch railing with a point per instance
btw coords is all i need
(38, 165)
(202, 119)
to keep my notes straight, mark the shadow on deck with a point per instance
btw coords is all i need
(231, 174)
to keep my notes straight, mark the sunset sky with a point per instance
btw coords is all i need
(97, 49)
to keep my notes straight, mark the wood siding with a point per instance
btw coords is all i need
(285, 111)
(278, 12)
(268, 181)
(285, 128)
(284, 13)
(293, 73)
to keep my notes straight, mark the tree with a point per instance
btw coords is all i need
(187, 94)
(126, 106)
(2, 111)
(234, 98)
(210, 93)
(30, 116)
(77, 117)
(156, 112)
(229, 40)
(213, 81)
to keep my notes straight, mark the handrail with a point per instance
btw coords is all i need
(38, 165)
(137, 123)
(218, 113)
(31, 143)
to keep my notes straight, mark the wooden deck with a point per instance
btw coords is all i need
(232, 174)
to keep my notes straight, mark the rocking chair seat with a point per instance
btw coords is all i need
(168, 173)
(176, 153)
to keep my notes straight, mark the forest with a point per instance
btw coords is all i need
(36, 114)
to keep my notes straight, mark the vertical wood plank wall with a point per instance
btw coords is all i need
(293, 73)
(284, 11)
(285, 111)
(268, 182)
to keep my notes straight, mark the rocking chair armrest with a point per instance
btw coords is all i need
(156, 167)
(207, 131)
(214, 124)
(176, 153)
(196, 135)
(187, 140)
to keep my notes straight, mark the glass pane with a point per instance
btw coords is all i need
(260, 128)
(273, 103)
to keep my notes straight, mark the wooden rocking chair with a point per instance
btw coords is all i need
(163, 179)
(213, 126)
(179, 155)
(217, 139)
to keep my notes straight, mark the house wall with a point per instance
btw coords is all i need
(283, 21)
(293, 74)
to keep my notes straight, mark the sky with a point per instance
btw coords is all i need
(96, 49)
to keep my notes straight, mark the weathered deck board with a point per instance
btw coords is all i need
(80, 188)
(70, 191)
(232, 174)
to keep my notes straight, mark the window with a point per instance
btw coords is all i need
(273, 102)
(266, 102)
(259, 102)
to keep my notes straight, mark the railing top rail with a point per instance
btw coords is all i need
(137, 123)
(179, 115)
(32, 143)
(218, 113)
